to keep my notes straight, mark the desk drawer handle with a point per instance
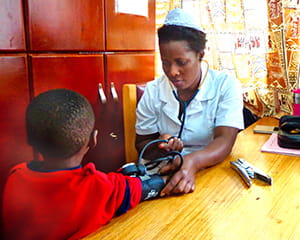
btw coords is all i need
(101, 94)
(113, 92)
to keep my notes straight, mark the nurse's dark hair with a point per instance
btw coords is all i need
(196, 39)
(59, 123)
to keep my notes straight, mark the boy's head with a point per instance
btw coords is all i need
(59, 123)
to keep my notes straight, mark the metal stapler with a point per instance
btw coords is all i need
(248, 171)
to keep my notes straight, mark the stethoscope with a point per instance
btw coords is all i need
(186, 103)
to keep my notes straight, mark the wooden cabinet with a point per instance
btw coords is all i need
(63, 25)
(80, 45)
(84, 73)
(128, 31)
(80, 73)
(88, 25)
(120, 68)
(14, 97)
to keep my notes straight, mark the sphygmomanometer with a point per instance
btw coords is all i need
(152, 184)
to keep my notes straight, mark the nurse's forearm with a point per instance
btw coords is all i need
(216, 151)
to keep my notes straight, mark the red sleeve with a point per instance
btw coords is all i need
(119, 193)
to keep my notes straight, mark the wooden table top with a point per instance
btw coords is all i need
(222, 207)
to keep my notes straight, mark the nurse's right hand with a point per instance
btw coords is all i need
(174, 143)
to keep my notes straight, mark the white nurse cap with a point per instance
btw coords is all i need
(179, 17)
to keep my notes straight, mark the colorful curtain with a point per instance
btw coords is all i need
(256, 40)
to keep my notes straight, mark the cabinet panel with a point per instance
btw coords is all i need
(66, 25)
(128, 31)
(14, 97)
(131, 67)
(120, 69)
(81, 73)
(12, 35)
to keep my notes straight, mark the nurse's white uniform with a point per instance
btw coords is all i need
(219, 102)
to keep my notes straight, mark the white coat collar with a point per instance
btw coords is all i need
(206, 91)
(171, 106)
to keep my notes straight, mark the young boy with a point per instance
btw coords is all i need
(57, 198)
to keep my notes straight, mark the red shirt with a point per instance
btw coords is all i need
(64, 204)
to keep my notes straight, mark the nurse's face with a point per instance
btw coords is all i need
(181, 65)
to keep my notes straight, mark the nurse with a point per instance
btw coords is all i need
(199, 109)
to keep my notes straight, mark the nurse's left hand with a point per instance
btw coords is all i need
(183, 181)
(174, 143)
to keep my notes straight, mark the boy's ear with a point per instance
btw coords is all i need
(93, 139)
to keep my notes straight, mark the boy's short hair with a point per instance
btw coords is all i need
(59, 122)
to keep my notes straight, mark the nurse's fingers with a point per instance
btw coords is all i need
(184, 187)
(175, 144)
(168, 168)
(171, 185)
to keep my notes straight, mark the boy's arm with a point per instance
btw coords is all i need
(150, 186)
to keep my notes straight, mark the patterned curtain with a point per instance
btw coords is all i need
(284, 51)
(256, 40)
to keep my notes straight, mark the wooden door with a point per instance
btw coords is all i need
(120, 69)
(129, 31)
(81, 73)
(14, 97)
(12, 35)
(130, 67)
(66, 25)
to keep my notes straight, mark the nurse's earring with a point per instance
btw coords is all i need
(201, 56)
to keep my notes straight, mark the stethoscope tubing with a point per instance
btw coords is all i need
(184, 106)
(186, 103)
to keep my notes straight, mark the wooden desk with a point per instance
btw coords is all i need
(222, 207)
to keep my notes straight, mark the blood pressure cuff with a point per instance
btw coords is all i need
(289, 132)
(151, 186)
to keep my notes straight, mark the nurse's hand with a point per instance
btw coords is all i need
(183, 181)
(174, 144)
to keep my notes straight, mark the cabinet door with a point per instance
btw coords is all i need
(121, 69)
(129, 31)
(66, 25)
(14, 97)
(81, 73)
(12, 36)
(130, 67)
